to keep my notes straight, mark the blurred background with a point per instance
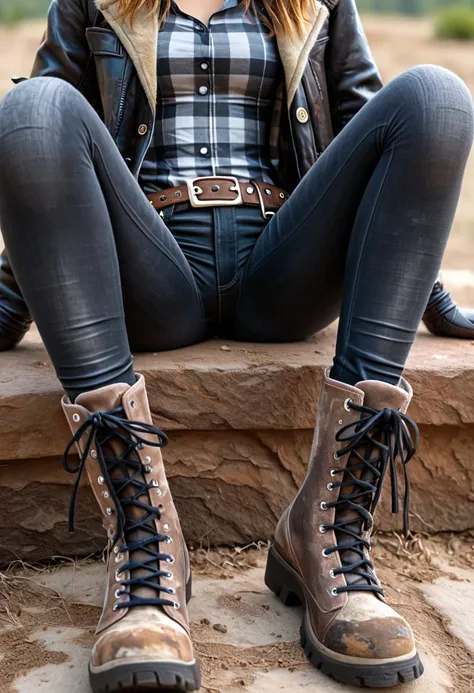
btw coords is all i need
(402, 33)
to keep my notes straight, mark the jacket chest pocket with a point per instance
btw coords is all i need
(111, 64)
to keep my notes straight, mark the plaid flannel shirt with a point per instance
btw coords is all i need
(219, 90)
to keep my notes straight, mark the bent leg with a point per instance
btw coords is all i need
(79, 233)
(367, 227)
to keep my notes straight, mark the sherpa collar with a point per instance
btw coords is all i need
(140, 42)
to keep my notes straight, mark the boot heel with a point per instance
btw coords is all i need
(280, 580)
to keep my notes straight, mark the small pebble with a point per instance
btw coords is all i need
(266, 607)
(205, 622)
(238, 597)
(220, 628)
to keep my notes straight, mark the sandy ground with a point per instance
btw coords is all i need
(397, 44)
(244, 637)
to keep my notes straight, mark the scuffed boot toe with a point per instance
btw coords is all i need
(160, 643)
(376, 632)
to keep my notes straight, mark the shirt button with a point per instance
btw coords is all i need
(143, 129)
(204, 150)
(199, 27)
(204, 66)
(302, 115)
(203, 90)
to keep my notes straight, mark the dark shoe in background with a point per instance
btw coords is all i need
(443, 317)
(15, 319)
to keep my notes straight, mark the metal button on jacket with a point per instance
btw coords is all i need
(143, 129)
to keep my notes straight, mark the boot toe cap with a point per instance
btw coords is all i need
(167, 642)
(368, 628)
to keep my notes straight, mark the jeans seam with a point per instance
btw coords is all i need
(138, 223)
(228, 286)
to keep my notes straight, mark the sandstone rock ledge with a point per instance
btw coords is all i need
(240, 425)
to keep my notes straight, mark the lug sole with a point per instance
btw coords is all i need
(284, 582)
(171, 677)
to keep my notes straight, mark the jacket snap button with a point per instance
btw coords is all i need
(143, 129)
(302, 115)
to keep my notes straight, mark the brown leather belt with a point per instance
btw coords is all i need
(222, 191)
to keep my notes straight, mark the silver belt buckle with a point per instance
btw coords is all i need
(194, 190)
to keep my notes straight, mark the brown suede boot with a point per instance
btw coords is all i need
(143, 640)
(320, 556)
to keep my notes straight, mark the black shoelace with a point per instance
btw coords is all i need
(119, 474)
(387, 434)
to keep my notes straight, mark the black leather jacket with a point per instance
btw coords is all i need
(329, 74)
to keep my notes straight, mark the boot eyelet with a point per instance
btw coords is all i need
(115, 607)
(166, 527)
(116, 550)
(148, 459)
(109, 511)
(171, 590)
(332, 574)
(140, 446)
(323, 505)
(76, 418)
(93, 454)
(133, 404)
(118, 594)
(118, 577)
(100, 480)
(334, 591)
(148, 469)
(168, 576)
(177, 605)
(340, 422)
(336, 456)
(333, 472)
(119, 558)
(325, 554)
(323, 529)
(347, 404)
(158, 492)
(169, 540)
(170, 559)
(106, 494)
(154, 483)
(330, 486)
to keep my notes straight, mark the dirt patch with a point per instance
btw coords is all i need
(26, 608)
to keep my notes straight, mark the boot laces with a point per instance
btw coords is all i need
(122, 473)
(389, 435)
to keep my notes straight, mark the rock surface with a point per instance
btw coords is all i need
(250, 387)
(229, 487)
(240, 424)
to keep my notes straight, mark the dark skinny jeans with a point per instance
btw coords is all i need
(362, 236)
